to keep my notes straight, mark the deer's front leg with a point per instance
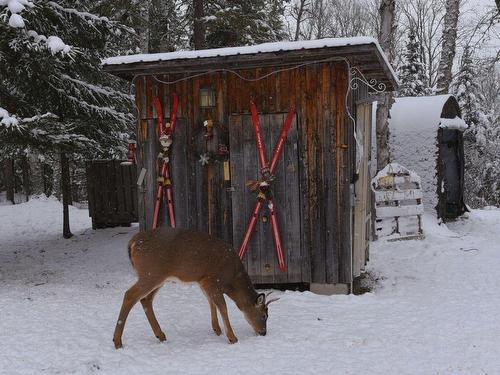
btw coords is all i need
(216, 298)
(221, 305)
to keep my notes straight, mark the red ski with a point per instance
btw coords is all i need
(267, 172)
(164, 180)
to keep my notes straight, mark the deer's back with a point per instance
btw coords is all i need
(183, 254)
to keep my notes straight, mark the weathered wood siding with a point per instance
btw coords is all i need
(324, 150)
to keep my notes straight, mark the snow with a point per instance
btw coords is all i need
(16, 21)
(15, 6)
(7, 120)
(55, 45)
(452, 123)
(85, 15)
(37, 37)
(433, 311)
(248, 50)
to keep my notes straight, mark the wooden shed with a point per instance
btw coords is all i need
(427, 137)
(319, 201)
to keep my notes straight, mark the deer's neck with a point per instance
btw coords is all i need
(242, 291)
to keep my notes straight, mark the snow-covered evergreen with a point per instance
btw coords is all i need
(51, 83)
(56, 102)
(412, 71)
(240, 22)
(481, 139)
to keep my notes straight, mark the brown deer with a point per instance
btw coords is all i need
(166, 254)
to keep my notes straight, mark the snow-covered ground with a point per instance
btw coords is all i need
(434, 311)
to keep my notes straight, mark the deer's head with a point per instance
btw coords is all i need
(257, 313)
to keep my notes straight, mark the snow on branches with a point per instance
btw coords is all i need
(31, 38)
(52, 66)
(15, 7)
(8, 121)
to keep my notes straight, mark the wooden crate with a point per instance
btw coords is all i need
(398, 203)
(112, 193)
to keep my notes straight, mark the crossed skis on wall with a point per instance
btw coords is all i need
(263, 186)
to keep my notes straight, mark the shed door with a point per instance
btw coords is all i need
(362, 201)
(260, 258)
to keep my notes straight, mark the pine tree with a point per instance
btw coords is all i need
(481, 139)
(240, 22)
(412, 72)
(468, 93)
(54, 97)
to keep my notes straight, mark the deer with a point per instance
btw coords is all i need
(172, 254)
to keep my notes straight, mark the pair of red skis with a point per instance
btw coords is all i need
(164, 179)
(267, 171)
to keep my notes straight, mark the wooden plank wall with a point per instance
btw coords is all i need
(324, 144)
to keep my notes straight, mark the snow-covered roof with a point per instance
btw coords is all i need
(422, 112)
(248, 50)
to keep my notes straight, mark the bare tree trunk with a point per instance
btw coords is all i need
(25, 166)
(448, 48)
(66, 194)
(199, 24)
(47, 179)
(386, 38)
(300, 13)
(387, 30)
(9, 179)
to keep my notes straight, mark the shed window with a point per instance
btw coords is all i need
(207, 97)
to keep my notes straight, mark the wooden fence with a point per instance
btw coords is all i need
(112, 193)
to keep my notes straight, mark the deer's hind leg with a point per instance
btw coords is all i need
(138, 291)
(147, 305)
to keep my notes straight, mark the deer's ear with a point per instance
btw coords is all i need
(261, 299)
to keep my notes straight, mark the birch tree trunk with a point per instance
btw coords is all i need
(199, 24)
(300, 13)
(448, 48)
(386, 38)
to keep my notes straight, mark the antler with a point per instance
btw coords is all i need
(271, 300)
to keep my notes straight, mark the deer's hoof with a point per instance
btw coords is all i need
(118, 344)
(233, 340)
(161, 337)
(217, 331)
